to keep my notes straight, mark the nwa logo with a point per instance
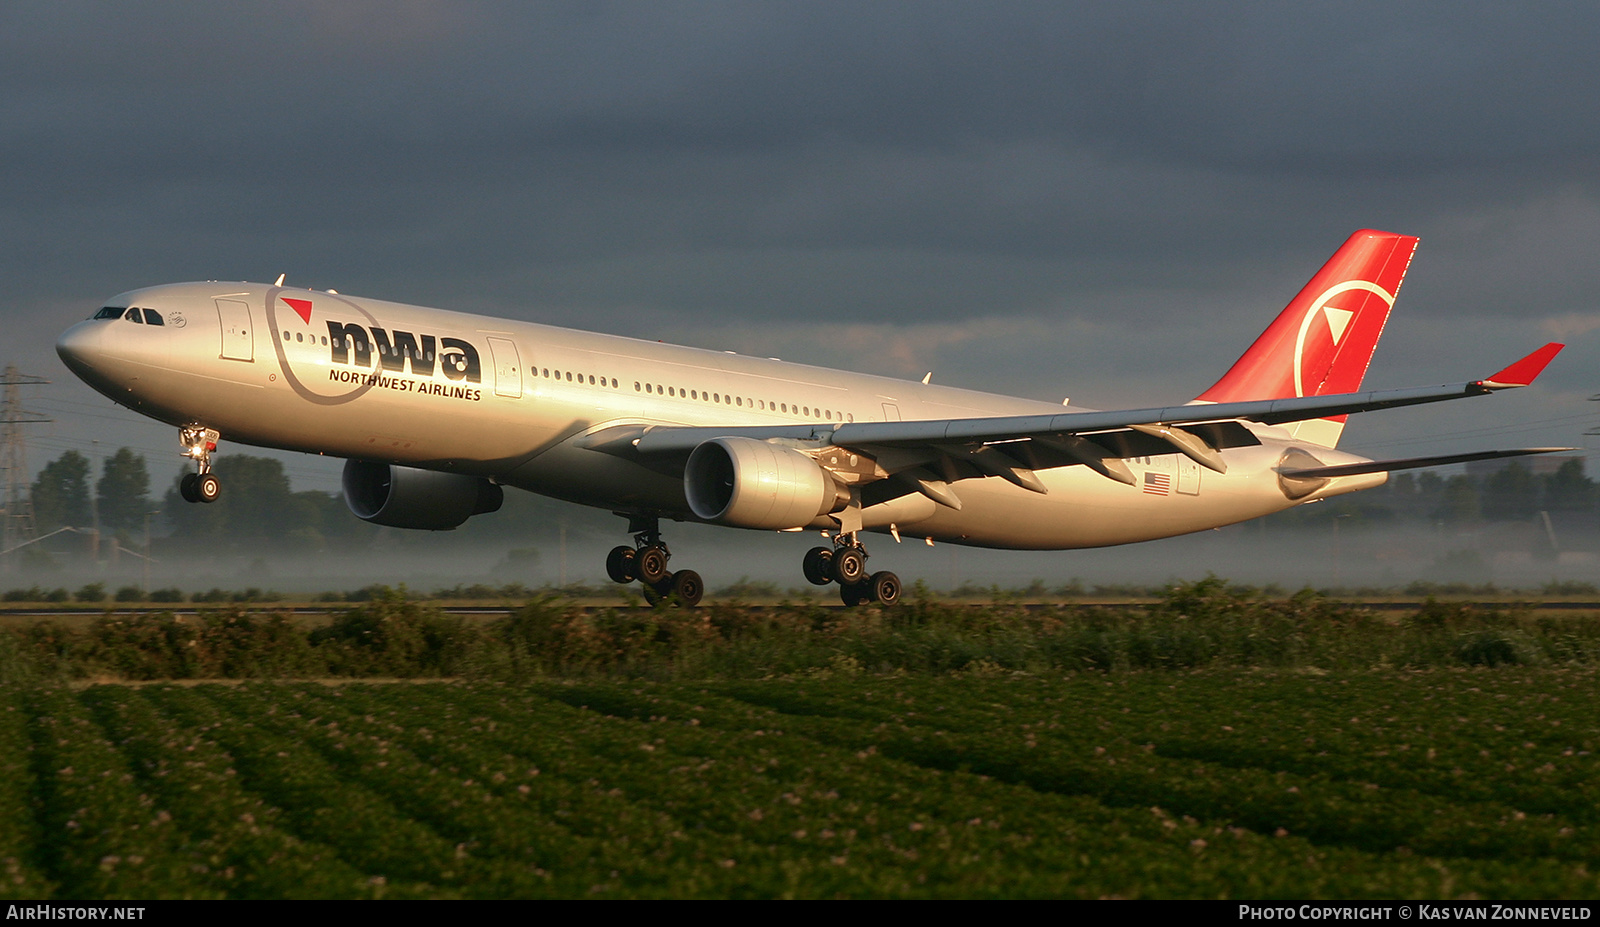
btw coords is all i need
(362, 357)
(353, 345)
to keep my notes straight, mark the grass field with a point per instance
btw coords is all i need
(1434, 784)
(1217, 743)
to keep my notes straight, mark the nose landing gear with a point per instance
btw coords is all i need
(846, 564)
(646, 562)
(198, 442)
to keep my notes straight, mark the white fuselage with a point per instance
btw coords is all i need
(368, 379)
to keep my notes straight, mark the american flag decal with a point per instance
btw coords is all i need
(1157, 484)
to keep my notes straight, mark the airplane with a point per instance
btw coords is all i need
(435, 411)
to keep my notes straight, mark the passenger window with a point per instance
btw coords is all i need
(152, 317)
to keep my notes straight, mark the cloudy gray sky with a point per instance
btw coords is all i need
(1102, 201)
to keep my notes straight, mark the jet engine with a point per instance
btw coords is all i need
(405, 497)
(753, 484)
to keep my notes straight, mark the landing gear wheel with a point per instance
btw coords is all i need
(686, 585)
(849, 566)
(652, 595)
(816, 566)
(619, 564)
(884, 588)
(189, 488)
(207, 487)
(854, 594)
(650, 565)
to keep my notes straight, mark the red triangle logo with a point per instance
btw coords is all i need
(301, 307)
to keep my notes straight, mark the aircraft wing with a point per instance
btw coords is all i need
(940, 451)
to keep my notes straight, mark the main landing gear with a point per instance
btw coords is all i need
(846, 564)
(646, 561)
(198, 442)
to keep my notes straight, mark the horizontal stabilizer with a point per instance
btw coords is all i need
(1411, 463)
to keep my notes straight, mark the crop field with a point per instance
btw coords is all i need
(1215, 741)
(1438, 782)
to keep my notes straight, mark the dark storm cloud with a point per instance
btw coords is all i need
(342, 99)
(1098, 188)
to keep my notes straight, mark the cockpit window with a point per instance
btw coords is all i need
(109, 312)
(132, 315)
(152, 317)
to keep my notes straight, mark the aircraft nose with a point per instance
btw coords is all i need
(80, 345)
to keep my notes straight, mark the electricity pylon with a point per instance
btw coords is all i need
(16, 516)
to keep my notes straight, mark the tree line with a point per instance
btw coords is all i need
(257, 504)
(1513, 493)
(61, 496)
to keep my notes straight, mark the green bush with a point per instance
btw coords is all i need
(391, 635)
(1209, 623)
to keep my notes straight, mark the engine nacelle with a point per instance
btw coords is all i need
(405, 497)
(752, 484)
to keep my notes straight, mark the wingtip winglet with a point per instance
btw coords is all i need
(1525, 371)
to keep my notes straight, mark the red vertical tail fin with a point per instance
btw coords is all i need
(1323, 340)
